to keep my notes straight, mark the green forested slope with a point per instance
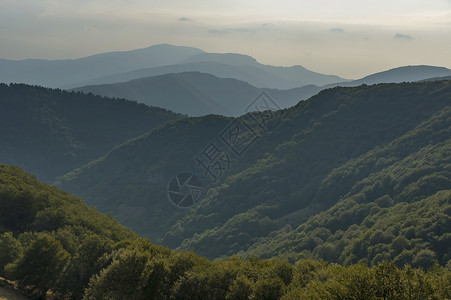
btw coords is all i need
(61, 249)
(310, 161)
(49, 236)
(50, 132)
(394, 203)
(292, 184)
(130, 181)
(29, 205)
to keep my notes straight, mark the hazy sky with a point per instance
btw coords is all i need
(349, 38)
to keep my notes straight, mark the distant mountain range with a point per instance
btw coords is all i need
(198, 94)
(170, 77)
(237, 66)
(155, 60)
(401, 74)
(69, 72)
(437, 78)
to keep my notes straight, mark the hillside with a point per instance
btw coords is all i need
(401, 74)
(130, 182)
(64, 250)
(279, 182)
(48, 236)
(392, 203)
(228, 91)
(438, 78)
(407, 73)
(70, 72)
(50, 132)
(197, 94)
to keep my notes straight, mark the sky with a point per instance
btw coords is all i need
(348, 38)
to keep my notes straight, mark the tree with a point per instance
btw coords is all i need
(84, 264)
(241, 288)
(10, 249)
(41, 264)
(132, 275)
(425, 258)
(387, 281)
(269, 288)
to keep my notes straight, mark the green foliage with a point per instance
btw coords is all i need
(146, 208)
(87, 260)
(396, 210)
(240, 289)
(323, 181)
(77, 258)
(10, 250)
(60, 242)
(359, 177)
(41, 264)
(383, 281)
(50, 132)
(126, 277)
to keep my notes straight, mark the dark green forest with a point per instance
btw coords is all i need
(352, 175)
(346, 195)
(50, 132)
(54, 246)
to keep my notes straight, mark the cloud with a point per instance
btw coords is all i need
(402, 36)
(185, 19)
(337, 30)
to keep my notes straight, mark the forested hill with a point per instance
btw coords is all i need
(54, 247)
(49, 132)
(42, 228)
(331, 174)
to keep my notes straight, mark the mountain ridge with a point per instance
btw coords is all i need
(233, 65)
(49, 132)
(410, 73)
(223, 99)
(283, 172)
(197, 94)
(61, 73)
